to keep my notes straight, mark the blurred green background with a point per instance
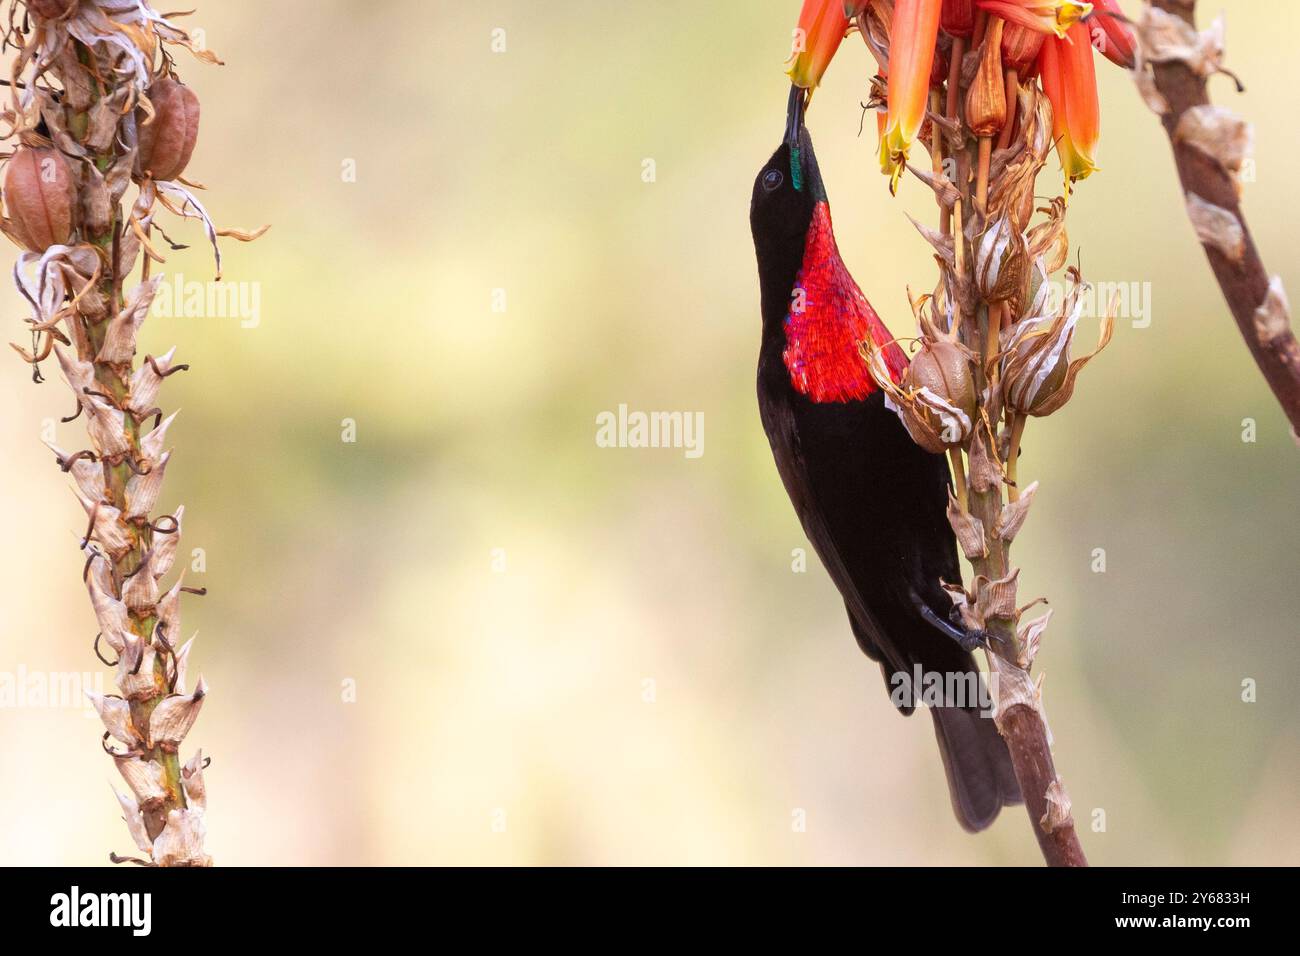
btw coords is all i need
(576, 655)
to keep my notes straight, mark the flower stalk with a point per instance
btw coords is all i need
(96, 108)
(1211, 144)
(993, 324)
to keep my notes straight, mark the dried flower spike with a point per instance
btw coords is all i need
(83, 68)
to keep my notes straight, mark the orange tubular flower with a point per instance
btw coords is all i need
(1070, 82)
(911, 58)
(821, 30)
(1045, 16)
(1111, 34)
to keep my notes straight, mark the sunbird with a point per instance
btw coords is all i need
(872, 502)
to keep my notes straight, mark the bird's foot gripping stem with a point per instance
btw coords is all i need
(968, 640)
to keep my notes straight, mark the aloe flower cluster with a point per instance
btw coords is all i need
(973, 97)
(96, 108)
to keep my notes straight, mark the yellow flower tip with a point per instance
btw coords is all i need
(894, 148)
(1072, 12)
(823, 24)
(1077, 166)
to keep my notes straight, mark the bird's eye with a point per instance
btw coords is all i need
(772, 179)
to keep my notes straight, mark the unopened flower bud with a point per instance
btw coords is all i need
(986, 102)
(1020, 47)
(958, 17)
(40, 198)
(167, 141)
(1049, 240)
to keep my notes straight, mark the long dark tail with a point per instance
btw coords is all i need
(980, 776)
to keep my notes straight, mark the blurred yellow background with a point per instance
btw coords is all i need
(566, 654)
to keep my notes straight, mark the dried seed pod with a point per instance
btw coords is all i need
(167, 141)
(936, 400)
(40, 198)
(1001, 262)
(944, 368)
(1037, 373)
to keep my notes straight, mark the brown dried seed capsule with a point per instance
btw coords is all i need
(40, 198)
(167, 143)
(945, 369)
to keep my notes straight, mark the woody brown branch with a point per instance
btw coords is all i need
(1244, 281)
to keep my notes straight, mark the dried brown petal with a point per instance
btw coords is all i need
(145, 778)
(1273, 317)
(140, 591)
(135, 670)
(165, 546)
(181, 842)
(968, 529)
(119, 341)
(1049, 241)
(1029, 637)
(151, 445)
(1217, 132)
(984, 473)
(1058, 808)
(196, 794)
(169, 611)
(997, 599)
(87, 475)
(1217, 227)
(106, 527)
(147, 381)
(116, 715)
(173, 718)
(143, 491)
(182, 660)
(1013, 514)
(110, 614)
(134, 822)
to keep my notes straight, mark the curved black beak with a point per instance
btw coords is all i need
(794, 115)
